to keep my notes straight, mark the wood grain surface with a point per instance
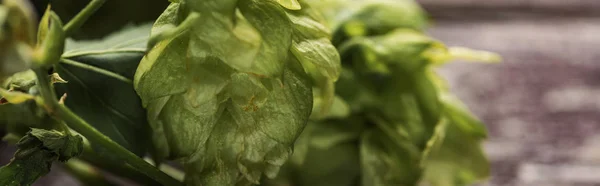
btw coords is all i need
(542, 104)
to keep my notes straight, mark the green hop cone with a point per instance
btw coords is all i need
(224, 93)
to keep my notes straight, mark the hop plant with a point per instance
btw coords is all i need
(240, 92)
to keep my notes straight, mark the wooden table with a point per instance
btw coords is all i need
(542, 104)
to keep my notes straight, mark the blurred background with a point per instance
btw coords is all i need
(541, 105)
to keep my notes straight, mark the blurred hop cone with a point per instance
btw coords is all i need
(16, 37)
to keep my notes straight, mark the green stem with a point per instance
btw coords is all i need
(63, 127)
(82, 16)
(115, 168)
(96, 69)
(85, 129)
(45, 87)
(61, 112)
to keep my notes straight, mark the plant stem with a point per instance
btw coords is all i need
(81, 126)
(115, 168)
(46, 89)
(82, 16)
(96, 70)
(61, 112)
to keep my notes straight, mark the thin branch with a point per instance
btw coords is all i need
(61, 112)
(94, 136)
(96, 70)
(82, 16)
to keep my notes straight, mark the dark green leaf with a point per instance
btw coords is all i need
(131, 37)
(100, 88)
(35, 154)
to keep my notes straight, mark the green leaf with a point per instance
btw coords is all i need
(455, 157)
(100, 87)
(228, 106)
(383, 162)
(100, 90)
(131, 37)
(35, 154)
(65, 146)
